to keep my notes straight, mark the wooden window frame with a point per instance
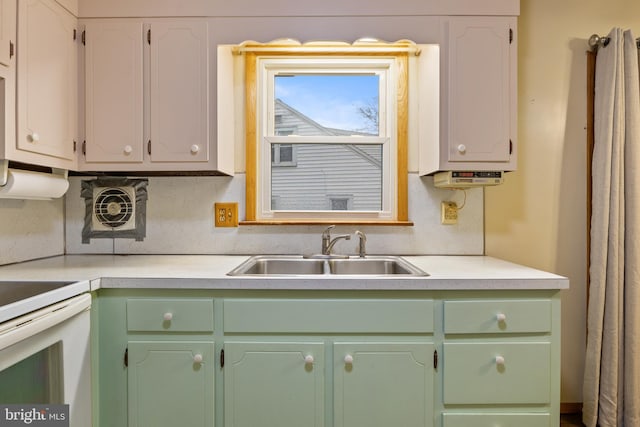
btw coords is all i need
(398, 51)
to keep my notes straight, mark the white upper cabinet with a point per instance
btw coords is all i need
(7, 31)
(179, 92)
(479, 96)
(147, 96)
(46, 85)
(114, 92)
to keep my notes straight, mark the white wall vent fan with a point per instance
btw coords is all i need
(114, 208)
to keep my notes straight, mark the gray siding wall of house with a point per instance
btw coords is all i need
(351, 176)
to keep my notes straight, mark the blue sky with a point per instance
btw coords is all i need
(331, 100)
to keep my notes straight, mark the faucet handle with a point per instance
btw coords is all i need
(327, 231)
(362, 251)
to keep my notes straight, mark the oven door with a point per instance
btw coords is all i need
(45, 358)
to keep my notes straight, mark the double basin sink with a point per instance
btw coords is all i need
(295, 265)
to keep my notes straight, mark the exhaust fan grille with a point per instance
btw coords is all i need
(114, 208)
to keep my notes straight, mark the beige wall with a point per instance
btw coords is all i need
(538, 218)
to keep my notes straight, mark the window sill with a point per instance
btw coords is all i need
(328, 222)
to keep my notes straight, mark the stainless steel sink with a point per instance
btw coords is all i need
(292, 265)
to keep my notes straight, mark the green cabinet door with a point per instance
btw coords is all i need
(171, 384)
(274, 384)
(383, 384)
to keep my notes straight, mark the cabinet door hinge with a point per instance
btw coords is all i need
(435, 359)
(11, 49)
(84, 148)
(149, 36)
(222, 358)
(75, 146)
(149, 147)
(510, 35)
(75, 35)
(510, 147)
(84, 37)
(126, 356)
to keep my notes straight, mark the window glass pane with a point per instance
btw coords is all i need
(328, 177)
(327, 104)
(286, 153)
(339, 204)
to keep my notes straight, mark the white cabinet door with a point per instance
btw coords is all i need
(179, 91)
(7, 30)
(481, 93)
(114, 91)
(47, 81)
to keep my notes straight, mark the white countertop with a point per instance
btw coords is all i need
(210, 272)
(92, 272)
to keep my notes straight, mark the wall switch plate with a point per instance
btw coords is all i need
(449, 213)
(225, 214)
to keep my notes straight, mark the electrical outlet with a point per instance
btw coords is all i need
(225, 214)
(449, 213)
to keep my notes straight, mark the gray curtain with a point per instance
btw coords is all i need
(611, 392)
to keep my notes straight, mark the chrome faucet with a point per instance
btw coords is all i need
(328, 242)
(362, 251)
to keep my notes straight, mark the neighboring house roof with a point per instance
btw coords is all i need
(308, 126)
(310, 122)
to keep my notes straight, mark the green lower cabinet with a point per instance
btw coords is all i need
(483, 419)
(497, 373)
(171, 384)
(383, 384)
(274, 384)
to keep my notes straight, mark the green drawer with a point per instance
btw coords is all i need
(473, 373)
(169, 315)
(328, 316)
(479, 419)
(497, 316)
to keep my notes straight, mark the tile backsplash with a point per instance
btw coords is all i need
(30, 229)
(180, 221)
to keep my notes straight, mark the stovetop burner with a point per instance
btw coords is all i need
(12, 291)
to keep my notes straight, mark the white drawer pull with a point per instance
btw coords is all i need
(34, 137)
(501, 317)
(348, 359)
(197, 358)
(168, 316)
(462, 148)
(500, 360)
(128, 149)
(308, 359)
(195, 149)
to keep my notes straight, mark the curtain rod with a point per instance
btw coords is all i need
(595, 41)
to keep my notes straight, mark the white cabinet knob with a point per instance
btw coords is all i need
(168, 316)
(348, 359)
(34, 137)
(195, 149)
(197, 358)
(308, 359)
(462, 148)
(128, 149)
(501, 317)
(499, 360)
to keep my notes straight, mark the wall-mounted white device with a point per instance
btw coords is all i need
(467, 179)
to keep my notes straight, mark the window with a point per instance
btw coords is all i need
(283, 155)
(326, 131)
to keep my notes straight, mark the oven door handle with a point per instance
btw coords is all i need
(33, 323)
